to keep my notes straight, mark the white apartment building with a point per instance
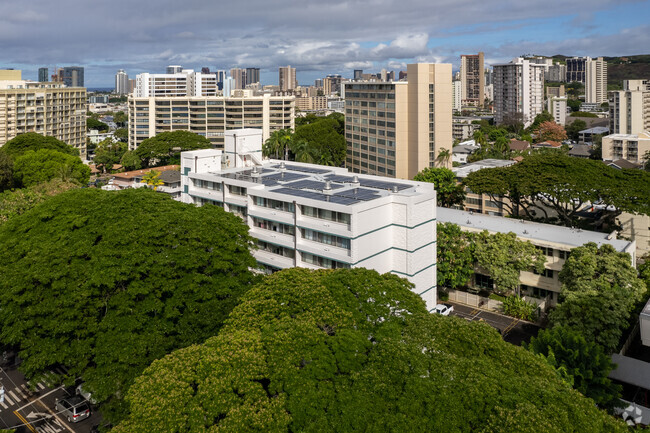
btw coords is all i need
(555, 241)
(209, 116)
(50, 109)
(318, 217)
(518, 91)
(184, 83)
(121, 83)
(629, 109)
(595, 81)
(457, 95)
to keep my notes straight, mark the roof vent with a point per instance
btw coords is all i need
(395, 189)
(469, 222)
(327, 189)
(255, 172)
(355, 180)
(283, 167)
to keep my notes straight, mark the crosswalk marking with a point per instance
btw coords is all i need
(40, 385)
(4, 405)
(8, 400)
(14, 396)
(22, 394)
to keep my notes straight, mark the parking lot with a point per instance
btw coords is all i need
(512, 330)
(31, 409)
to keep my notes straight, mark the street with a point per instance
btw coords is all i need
(32, 410)
(512, 330)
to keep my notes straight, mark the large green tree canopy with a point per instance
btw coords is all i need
(599, 291)
(33, 141)
(448, 191)
(564, 184)
(327, 143)
(352, 350)
(166, 147)
(105, 282)
(39, 166)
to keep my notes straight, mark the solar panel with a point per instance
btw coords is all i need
(359, 194)
(284, 177)
(304, 169)
(316, 196)
(311, 184)
(382, 185)
(339, 178)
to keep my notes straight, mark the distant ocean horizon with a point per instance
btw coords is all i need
(100, 89)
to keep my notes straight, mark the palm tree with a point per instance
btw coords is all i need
(278, 144)
(443, 157)
(152, 178)
(303, 151)
(479, 137)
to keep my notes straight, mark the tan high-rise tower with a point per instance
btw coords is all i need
(287, 78)
(472, 77)
(396, 129)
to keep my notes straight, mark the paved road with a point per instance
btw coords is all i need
(513, 330)
(31, 409)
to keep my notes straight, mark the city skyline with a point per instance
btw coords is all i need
(315, 39)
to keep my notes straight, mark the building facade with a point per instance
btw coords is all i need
(49, 109)
(629, 109)
(73, 76)
(556, 73)
(576, 68)
(397, 129)
(518, 91)
(121, 83)
(209, 116)
(631, 147)
(43, 75)
(252, 75)
(472, 77)
(596, 81)
(554, 241)
(179, 84)
(332, 84)
(312, 103)
(287, 78)
(319, 217)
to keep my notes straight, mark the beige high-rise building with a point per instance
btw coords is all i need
(287, 78)
(595, 81)
(397, 129)
(208, 116)
(472, 77)
(629, 109)
(46, 108)
(239, 75)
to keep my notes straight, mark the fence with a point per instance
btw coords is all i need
(475, 301)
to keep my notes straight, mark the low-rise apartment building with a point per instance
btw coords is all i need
(210, 117)
(316, 216)
(482, 203)
(631, 147)
(49, 109)
(555, 241)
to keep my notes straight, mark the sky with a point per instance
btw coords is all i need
(315, 37)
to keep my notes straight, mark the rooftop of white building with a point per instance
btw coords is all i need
(316, 182)
(529, 230)
(465, 170)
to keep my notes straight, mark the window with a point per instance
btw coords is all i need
(548, 252)
(237, 190)
(564, 254)
(273, 226)
(325, 214)
(273, 204)
(325, 238)
(483, 281)
(323, 262)
(276, 249)
(548, 273)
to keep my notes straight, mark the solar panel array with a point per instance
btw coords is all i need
(363, 194)
(311, 184)
(368, 182)
(304, 169)
(316, 196)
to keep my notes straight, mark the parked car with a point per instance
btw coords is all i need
(74, 409)
(82, 391)
(443, 309)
